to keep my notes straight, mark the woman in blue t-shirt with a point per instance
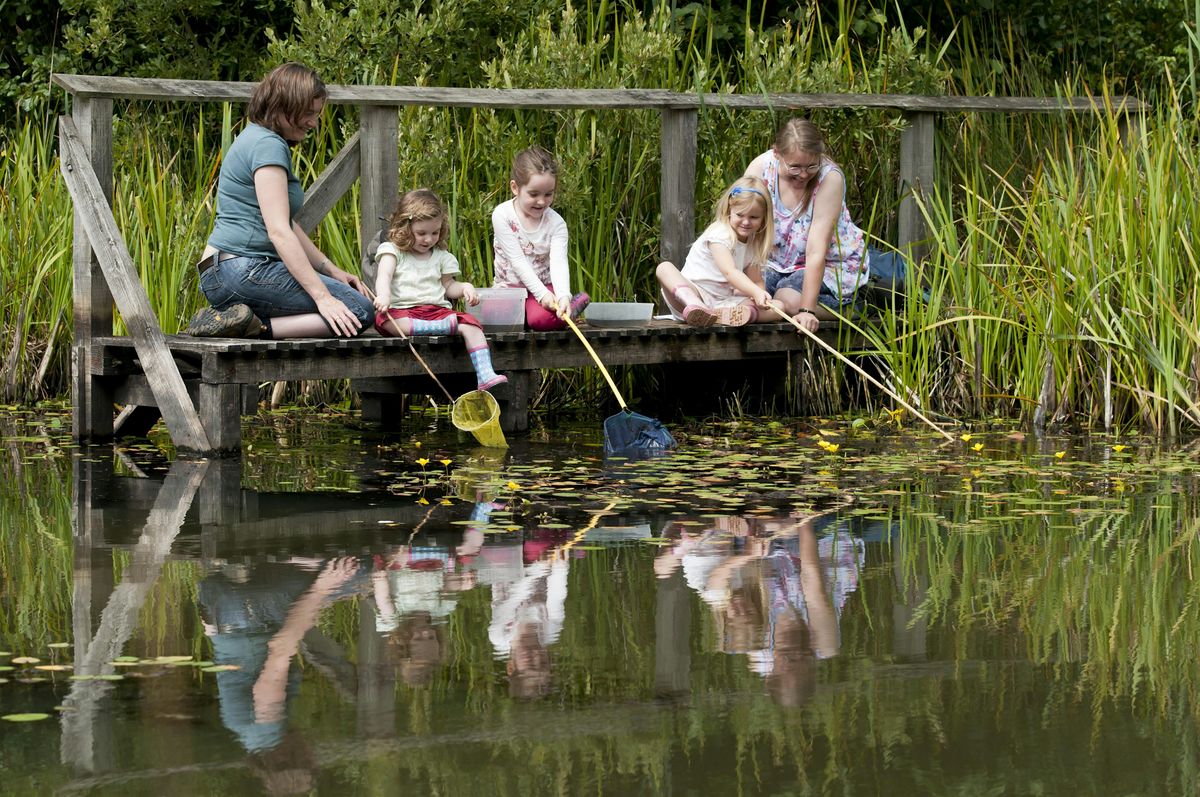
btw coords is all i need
(260, 272)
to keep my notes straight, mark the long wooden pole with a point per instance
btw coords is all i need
(779, 309)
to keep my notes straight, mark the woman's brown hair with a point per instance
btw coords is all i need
(284, 96)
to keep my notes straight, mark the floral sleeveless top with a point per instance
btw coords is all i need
(846, 263)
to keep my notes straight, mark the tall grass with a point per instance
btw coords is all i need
(1071, 287)
(1061, 275)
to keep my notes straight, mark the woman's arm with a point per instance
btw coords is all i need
(827, 206)
(298, 253)
(758, 166)
(736, 277)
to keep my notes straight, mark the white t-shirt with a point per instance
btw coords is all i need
(530, 259)
(418, 281)
(701, 269)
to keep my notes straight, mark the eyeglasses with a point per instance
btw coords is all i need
(800, 168)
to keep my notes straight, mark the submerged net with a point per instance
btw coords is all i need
(629, 433)
(478, 412)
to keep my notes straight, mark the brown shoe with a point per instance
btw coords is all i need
(235, 321)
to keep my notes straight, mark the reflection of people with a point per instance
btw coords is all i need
(820, 257)
(260, 272)
(415, 591)
(806, 582)
(255, 620)
(776, 590)
(721, 281)
(527, 617)
(417, 281)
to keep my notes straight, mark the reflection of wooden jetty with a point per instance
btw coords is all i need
(149, 520)
(201, 387)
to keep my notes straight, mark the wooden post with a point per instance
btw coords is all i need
(220, 410)
(514, 409)
(379, 172)
(678, 183)
(916, 180)
(92, 418)
(94, 215)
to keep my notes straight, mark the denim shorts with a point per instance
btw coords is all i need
(795, 281)
(270, 290)
(889, 270)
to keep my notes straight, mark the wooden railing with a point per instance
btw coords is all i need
(371, 156)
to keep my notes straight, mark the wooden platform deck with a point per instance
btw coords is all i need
(222, 374)
(200, 386)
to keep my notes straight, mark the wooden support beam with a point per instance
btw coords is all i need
(92, 418)
(333, 183)
(379, 173)
(917, 142)
(95, 214)
(678, 195)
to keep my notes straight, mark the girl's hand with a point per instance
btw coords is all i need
(382, 301)
(549, 302)
(762, 299)
(469, 294)
(338, 316)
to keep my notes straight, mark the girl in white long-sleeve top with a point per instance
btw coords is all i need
(530, 243)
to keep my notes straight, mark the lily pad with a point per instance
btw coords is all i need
(24, 717)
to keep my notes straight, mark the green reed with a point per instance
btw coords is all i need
(1060, 272)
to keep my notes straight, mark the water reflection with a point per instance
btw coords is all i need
(552, 625)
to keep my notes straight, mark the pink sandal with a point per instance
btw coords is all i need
(736, 316)
(697, 315)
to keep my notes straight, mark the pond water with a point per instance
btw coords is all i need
(784, 607)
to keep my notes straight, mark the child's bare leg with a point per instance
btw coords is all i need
(696, 311)
(389, 328)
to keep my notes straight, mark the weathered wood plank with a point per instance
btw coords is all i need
(678, 184)
(379, 175)
(331, 186)
(121, 276)
(220, 408)
(917, 159)
(922, 103)
(454, 97)
(92, 416)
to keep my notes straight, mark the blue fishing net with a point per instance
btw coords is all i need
(630, 433)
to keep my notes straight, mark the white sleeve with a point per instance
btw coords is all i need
(556, 598)
(387, 248)
(560, 269)
(508, 243)
(449, 264)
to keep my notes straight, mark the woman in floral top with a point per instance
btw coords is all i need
(820, 256)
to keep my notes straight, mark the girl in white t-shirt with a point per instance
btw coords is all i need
(721, 281)
(530, 243)
(416, 282)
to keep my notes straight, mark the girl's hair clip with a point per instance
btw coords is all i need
(740, 190)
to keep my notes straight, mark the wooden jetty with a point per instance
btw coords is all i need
(199, 387)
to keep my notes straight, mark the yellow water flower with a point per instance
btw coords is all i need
(417, 444)
(977, 447)
(1060, 454)
(513, 486)
(422, 462)
(832, 448)
(1119, 447)
(423, 501)
(445, 462)
(966, 438)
